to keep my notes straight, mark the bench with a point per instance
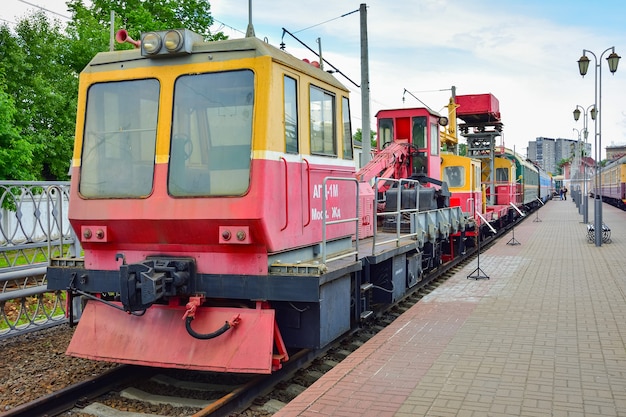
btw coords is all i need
(591, 233)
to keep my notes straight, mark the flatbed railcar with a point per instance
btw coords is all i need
(215, 195)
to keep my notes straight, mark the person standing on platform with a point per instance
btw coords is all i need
(561, 193)
(565, 193)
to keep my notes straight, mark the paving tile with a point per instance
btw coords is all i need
(545, 335)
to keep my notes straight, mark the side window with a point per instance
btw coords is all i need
(434, 139)
(347, 129)
(454, 176)
(419, 132)
(291, 115)
(322, 122)
(502, 174)
(385, 132)
(476, 179)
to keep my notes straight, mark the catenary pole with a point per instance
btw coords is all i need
(365, 90)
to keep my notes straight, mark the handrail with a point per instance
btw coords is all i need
(286, 193)
(34, 314)
(398, 213)
(33, 228)
(452, 218)
(470, 205)
(21, 272)
(33, 217)
(326, 223)
(308, 190)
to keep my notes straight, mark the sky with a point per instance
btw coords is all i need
(524, 52)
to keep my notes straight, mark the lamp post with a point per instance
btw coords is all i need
(585, 134)
(583, 65)
(575, 173)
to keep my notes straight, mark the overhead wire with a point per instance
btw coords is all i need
(228, 26)
(329, 20)
(43, 8)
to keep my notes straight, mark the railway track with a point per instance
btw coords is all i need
(160, 392)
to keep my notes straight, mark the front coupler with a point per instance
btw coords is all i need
(144, 283)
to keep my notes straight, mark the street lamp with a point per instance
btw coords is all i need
(583, 65)
(585, 134)
(575, 172)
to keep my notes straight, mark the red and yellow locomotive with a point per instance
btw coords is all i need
(199, 167)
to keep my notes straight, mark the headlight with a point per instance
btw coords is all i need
(151, 43)
(168, 42)
(173, 41)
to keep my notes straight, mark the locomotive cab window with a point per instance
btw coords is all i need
(476, 178)
(119, 139)
(434, 139)
(419, 132)
(502, 174)
(385, 132)
(211, 143)
(419, 135)
(291, 115)
(322, 122)
(347, 129)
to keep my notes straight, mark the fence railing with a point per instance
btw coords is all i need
(33, 228)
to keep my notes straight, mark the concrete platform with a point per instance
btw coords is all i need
(544, 335)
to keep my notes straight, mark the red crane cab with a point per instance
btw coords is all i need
(419, 127)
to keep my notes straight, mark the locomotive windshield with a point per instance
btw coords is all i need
(211, 134)
(454, 176)
(119, 139)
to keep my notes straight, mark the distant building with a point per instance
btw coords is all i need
(542, 151)
(357, 148)
(548, 152)
(615, 152)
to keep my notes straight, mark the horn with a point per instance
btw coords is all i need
(122, 36)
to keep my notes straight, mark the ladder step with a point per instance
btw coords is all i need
(366, 314)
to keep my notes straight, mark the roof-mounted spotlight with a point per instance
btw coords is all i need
(173, 41)
(168, 42)
(150, 43)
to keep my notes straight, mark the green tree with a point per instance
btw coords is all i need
(42, 90)
(16, 154)
(358, 135)
(559, 169)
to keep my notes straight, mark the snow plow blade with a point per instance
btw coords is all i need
(107, 334)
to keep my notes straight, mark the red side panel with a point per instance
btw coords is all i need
(505, 194)
(470, 202)
(159, 338)
(367, 211)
